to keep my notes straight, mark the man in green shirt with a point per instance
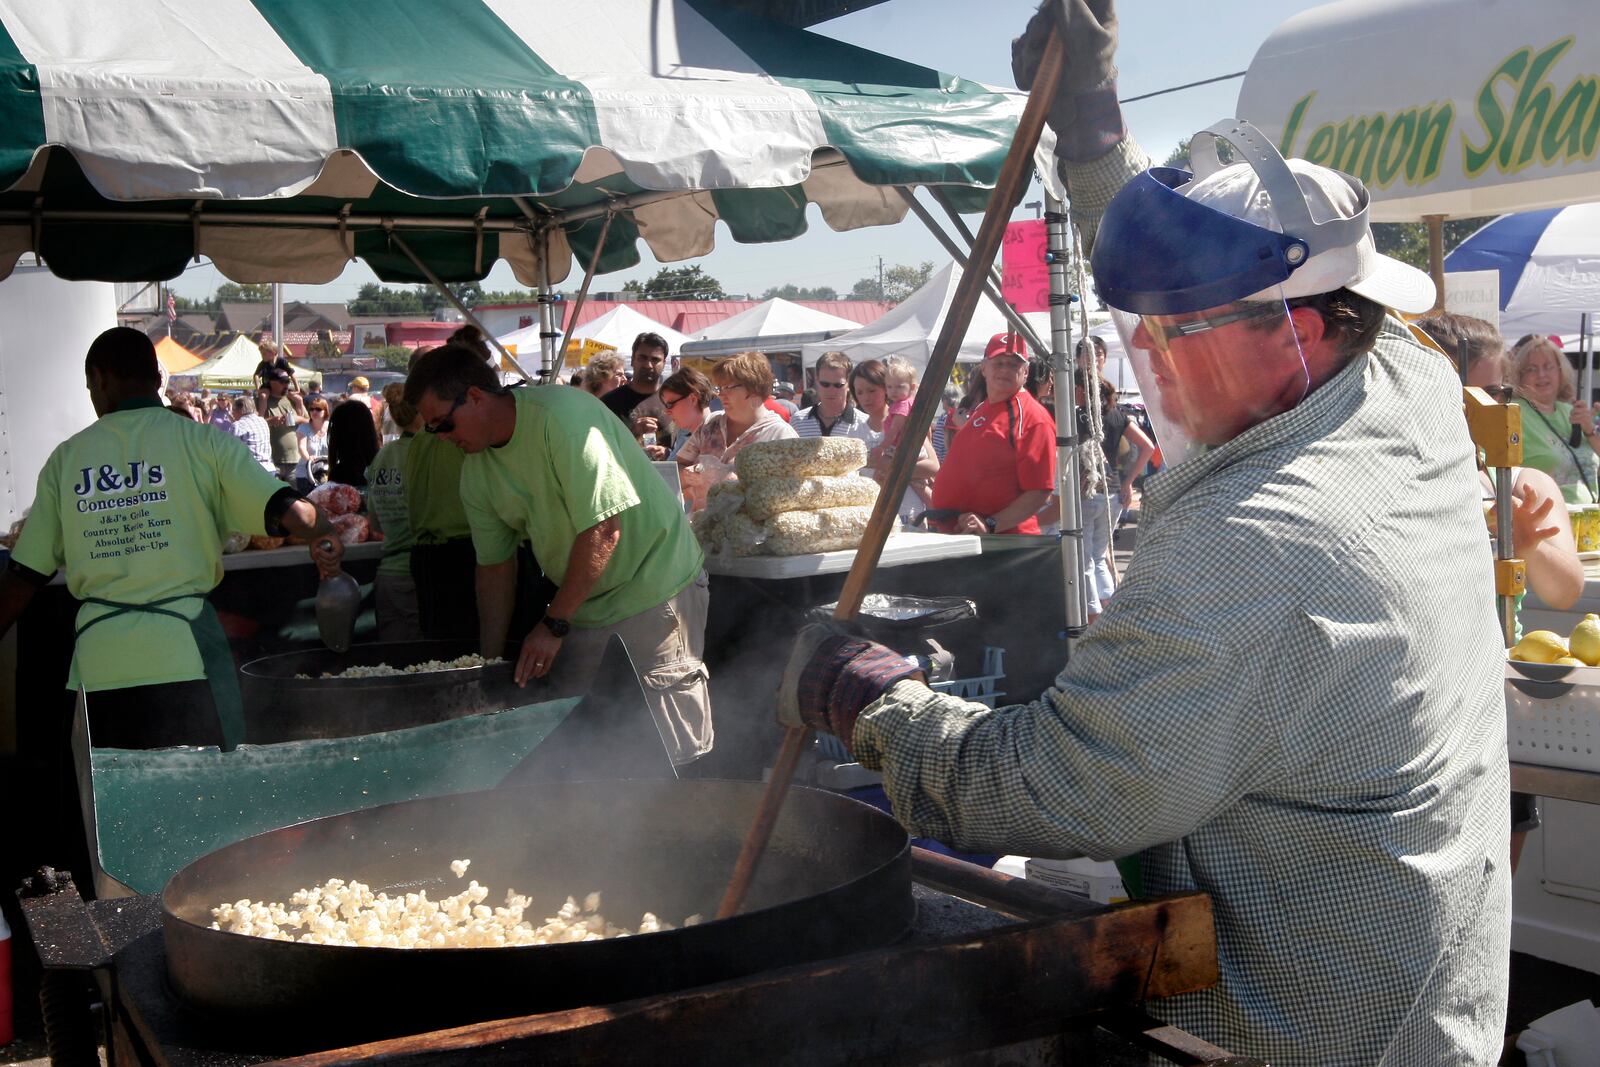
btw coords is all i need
(136, 508)
(277, 407)
(553, 466)
(442, 563)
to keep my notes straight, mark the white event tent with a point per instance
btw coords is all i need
(775, 325)
(911, 328)
(232, 368)
(615, 329)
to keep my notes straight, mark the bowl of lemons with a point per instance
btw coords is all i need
(1545, 655)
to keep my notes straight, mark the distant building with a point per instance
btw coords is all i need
(303, 323)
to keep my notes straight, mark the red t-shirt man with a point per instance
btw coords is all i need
(1001, 466)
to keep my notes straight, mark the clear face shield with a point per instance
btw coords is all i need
(1207, 376)
(1196, 269)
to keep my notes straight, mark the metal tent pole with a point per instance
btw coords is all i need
(548, 361)
(277, 319)
(1018, 323)
(577, 305)
(444, 290)
(1588, 359)
(1068, 474)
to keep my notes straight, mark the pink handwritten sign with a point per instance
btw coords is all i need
(1024, 275)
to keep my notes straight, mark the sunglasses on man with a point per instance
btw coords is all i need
(448, 423)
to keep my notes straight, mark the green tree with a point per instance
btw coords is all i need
(392, 357)
(185, 304)
(677, 283)
(515, 296)
(794, 292)
(375, 299)
(469, 293)
(1408, 241)
(1178, 157)
(249, 293)
(899, 282)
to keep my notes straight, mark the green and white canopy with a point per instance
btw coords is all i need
(281, 138)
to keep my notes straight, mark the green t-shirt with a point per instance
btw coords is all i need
(1545, 448)
(387, 499)
(136, 508)
(431, 473)
(570, 464)
(285, 447)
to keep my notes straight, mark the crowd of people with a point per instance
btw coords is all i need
(988, 465)
(302, 436)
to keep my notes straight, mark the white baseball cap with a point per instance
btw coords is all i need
(1327, 209)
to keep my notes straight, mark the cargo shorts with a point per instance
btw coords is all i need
(667, 646)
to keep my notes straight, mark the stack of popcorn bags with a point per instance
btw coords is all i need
(791, 497)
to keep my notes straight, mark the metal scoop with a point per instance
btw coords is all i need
(338, 604)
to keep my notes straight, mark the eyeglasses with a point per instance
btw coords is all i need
(448, 423)
(829, 385)
(723, 390)
(1500, 394)
(1162, 333)
(670, 404)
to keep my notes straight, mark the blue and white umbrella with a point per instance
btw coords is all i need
(1549, 266)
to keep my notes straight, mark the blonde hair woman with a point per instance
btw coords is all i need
(604, 373)
(1558, 431)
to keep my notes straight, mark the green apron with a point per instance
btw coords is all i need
(215, 655)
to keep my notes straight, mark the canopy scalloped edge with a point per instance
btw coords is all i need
(303, 240)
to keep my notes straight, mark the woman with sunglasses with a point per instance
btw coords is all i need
(312, 440)
(1558, 432)
(743, 383)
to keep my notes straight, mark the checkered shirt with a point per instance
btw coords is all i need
(1294, 704)
(851, 423)
(252, 430)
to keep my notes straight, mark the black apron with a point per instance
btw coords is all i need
(215, 655)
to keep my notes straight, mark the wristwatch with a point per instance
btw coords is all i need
(988, 523)
(559, 627)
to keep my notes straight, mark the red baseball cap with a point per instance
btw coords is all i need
(1006, 344)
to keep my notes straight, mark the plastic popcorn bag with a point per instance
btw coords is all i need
(772, 496)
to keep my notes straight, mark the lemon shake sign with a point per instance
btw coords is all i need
(1519, 118)
(1442, 107)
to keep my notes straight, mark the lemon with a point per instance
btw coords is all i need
(1586, 640)
(1571, 661)
(1540, 646)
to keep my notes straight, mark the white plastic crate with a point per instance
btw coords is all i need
(983, 688)
(1553, 715)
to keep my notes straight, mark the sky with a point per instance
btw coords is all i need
(1163, 44)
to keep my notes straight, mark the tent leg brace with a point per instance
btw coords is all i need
(444, 290)
(583, 295)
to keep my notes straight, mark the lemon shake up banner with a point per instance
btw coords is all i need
(1439, 106)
